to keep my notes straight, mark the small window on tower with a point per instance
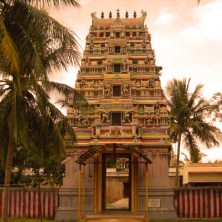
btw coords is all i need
(107, 34)
(116, 90)
(117, 34)
(116, 119)
(117, 49)
(116, 67)
(135, 61)
(100, 61)
(102, 45)
(95, 93)
(127, 34)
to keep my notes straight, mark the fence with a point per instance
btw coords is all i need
(198, 202)
(190, 202)
(26, 202)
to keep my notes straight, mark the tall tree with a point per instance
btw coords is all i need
(216, 103)
(188, 123)
(32, 44)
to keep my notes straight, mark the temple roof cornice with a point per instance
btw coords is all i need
(98, 23)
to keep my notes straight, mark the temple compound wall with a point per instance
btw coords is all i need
(120, 162)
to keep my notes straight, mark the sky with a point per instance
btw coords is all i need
(186, 38)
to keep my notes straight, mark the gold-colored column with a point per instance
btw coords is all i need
(95, 195)
(79, 194)
(146, 199)
(83, 193)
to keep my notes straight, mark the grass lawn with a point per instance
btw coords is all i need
(29, 220)
(188, 220)
(50, 220)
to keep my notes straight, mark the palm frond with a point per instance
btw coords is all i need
(8, 49)
(70, 95)
(50, 3)
(56, 44)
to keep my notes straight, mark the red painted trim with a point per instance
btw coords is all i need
(33, 204)
(10, 205)
(38, 204)
(54, 203)
(177, 193)
(1, 203)
(188, 204)
(15, 199)
(215, 202)
(204, 205)
(198, 199)
(209, 204)
(24, 194)
(183, 204)
(29, 203)
(19, 203)
(43, 205)
(194, 204)
(220, 204)
(49, 202)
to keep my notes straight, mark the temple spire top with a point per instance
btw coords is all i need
(102, 15)
(118, 13)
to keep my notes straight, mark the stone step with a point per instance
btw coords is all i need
(115, 220)
(115, 217)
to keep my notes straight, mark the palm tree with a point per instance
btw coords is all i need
(216, 102)
(32, 44)
(195, 156)
(188, 123)
(29, 120)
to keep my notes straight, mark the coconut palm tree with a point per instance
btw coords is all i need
(195, 156)
(26, 33)
(188, 123)
(216, 102)
(28, 119)
(32, 44)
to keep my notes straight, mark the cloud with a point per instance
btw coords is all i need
(210, 20)
(165, 18)
(192, 33)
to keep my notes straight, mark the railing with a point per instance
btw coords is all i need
(24, 202)
(198, 202)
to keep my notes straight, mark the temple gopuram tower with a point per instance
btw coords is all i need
(120, 162)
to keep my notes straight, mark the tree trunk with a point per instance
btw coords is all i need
(178, 161)
(8, 170)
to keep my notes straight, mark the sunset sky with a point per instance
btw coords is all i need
(187, 39)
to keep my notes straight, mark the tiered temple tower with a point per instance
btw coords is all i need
(125, 128)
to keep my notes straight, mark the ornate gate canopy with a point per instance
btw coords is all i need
(99, 148)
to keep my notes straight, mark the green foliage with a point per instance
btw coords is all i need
(29, 171)
(32, 45)
(54, 171)
(216, 107)
(188, 112)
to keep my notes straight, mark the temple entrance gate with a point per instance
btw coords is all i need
(116, 180)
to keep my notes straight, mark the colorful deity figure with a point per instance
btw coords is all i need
(107, 89)
(105, 117)
(125, 89)
(126, 117)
